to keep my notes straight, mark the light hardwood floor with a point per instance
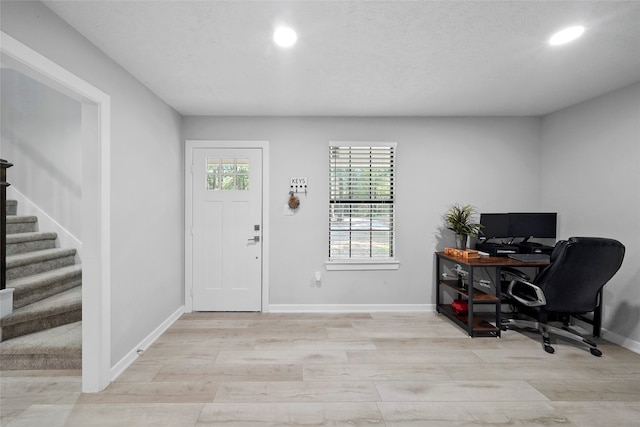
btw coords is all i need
(378, 369)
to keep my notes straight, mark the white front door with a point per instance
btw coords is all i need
(226, 229)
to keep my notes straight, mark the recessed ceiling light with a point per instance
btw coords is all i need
(566, 35)
(285, 37)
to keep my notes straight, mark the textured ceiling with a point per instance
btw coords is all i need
(389, 58)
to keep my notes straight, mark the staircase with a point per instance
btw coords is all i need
(45, 329)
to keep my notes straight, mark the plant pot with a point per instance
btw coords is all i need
(461, 241)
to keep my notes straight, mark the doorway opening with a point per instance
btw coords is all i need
(95, 170)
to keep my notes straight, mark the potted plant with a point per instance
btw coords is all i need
(461, 219)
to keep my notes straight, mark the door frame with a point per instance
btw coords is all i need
(96, 191)
(190, 145)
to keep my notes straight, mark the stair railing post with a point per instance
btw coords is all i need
(4, 165)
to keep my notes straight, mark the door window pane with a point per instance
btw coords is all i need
(228, 166)
(228, 182)
(227, 174)
(213, 171)
(212, 182)
(242, 166)
(242, 182)
(213, 165)
(242, 174)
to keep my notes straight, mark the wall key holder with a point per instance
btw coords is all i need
(298, 185)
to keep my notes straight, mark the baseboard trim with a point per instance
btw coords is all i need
(349, 308)
(128, 359)
(625, 342)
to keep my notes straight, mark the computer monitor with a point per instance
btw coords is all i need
(527, 225)
(494, 225)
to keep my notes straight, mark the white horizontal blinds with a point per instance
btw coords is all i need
(361, 201)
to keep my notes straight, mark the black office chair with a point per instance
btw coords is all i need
(569, 285)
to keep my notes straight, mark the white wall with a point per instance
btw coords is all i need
(147, 201)
(440, 161)
(47, 157)
(591, 175)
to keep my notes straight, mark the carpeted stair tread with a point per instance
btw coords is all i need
(22, 265)
(37, 256)
(55, 348)
(13, 219)
(30, 289)
(30, 237)
(65, 340)
(28, 242)
(21, 224)
(62, 302)
(57, 310)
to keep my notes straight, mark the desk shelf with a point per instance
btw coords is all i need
(479, 297)
(480, 326)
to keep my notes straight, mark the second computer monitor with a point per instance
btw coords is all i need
(539, 224)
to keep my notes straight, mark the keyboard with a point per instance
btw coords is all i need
(530, 257)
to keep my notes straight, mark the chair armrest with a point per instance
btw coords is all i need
(515, 273)
(539, 299)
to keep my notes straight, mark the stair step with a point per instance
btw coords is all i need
(21, 224)
(55, 348)
(12, 207)
(37, 287)
(59, 309)
(20, 243)
(30, 263)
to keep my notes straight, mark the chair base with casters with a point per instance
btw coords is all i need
(545, 328)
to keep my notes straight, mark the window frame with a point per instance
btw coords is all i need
(365, 263)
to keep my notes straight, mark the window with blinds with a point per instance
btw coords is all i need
(361, 201)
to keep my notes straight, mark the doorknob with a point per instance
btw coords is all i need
(254, 239)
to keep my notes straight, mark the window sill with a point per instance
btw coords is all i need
(346, 265)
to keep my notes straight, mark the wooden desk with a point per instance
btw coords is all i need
(474, 324)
